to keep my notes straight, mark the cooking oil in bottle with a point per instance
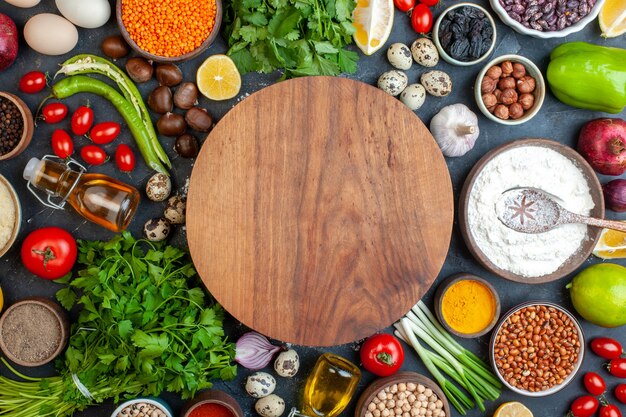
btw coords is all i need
(97, 197)
(329, 388)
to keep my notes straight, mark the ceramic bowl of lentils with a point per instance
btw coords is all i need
(537, 348)
(547, 18)
(17, 126)
(464, 34)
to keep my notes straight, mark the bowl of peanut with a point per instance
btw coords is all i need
(510, 90)
(537, 348)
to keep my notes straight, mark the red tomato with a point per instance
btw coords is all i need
(404, 5)
(606, 348)
(610, 411)
(54, 112)
(594, 383)
(382, 354)
(584, 406)
(104, 132)
(33, 82)
(421, 19)
(49, 252)
(125, 158)
(429, 3)
(617, 367)
(62, 144)
(620, 393)
(82, 119)
(93, 155)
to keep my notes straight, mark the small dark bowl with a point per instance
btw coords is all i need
(446, 284)
(29, 127)
(212, 396)
(189, 55)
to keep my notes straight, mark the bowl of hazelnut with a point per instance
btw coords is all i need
(510, 90)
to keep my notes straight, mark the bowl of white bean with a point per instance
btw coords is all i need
(143, 407)
(405, 394)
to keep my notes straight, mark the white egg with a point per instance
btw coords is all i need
(88, 14)
(50, 34)
(23, 3)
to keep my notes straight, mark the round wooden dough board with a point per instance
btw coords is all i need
(319, 211)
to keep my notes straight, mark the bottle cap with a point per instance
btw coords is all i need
(31, 168)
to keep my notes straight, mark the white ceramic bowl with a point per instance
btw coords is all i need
(444, 54)
(539, 93)
(157, 402)
(18, 216)
(518, 27)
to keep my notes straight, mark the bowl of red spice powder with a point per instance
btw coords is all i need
(169, 30)
(212, 403)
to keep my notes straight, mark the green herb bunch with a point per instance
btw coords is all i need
(142, 330)
(303, 37)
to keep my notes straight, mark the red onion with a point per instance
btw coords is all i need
(254, 351)
(615, 195)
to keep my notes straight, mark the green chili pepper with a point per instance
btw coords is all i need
(86, 63)
(82, 84)
(589, 76)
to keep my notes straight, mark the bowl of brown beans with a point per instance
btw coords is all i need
(405, 394)
(537, 348)
(510, 90)
(17, 125)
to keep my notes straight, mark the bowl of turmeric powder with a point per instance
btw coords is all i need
(169, 31)
(467, 305)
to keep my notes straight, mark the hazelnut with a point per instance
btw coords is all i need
(487, 85)
(508, 82)
(494, 72)
(491, 109)
(519, 70)
(507, 68)
(489, 100)
(498, 93)
(526, 84)
(516, 111)
(526, 100)
(501, 112)
(509, 96)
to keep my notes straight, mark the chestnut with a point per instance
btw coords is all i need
(199, 119)
(186, 146)
(168, 74)
(171, 124)
(160, 100)
(186, 96)
(139, 69)
(115, 47)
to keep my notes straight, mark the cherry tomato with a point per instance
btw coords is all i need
(49, 252)
(62, 144)
(594, 383)
(382, 354)
(606, 348)
(421, 19)
(584, 406)
(610, 411)
(104, 132)
(54, 112)
(125, 158)
(93, 155)
(620, 393)
(33, 82)
(617, 367)
(429, 3)
(404, 5)
(82, 119)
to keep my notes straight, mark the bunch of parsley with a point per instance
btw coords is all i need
(303, 37)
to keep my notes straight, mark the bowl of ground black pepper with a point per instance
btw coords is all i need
(16, 126)
(464, 34)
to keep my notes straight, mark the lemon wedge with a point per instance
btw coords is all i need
(611, 245)
(513, 409)
(373, 20)
(612, 18)
(218, 78)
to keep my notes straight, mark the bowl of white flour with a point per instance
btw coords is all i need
(530, 258)
(10, 215)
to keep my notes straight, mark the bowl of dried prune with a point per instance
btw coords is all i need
(465, 34)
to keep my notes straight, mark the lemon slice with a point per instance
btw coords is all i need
(513, 409)
(218, 78)
(612, 18)
(611, 245)
(372, 20)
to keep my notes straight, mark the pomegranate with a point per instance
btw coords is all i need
(8, 41)
(603, 144)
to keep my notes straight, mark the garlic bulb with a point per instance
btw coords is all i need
(455, 129)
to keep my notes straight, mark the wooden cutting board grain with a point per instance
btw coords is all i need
(319, 211)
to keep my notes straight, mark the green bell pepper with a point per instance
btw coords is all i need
(589, 76)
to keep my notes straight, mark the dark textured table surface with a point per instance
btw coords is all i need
(555, 120)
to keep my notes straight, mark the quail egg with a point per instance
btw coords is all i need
(176, 209)
(424, 52)
(287, 363)
(260, 384)
(157, 229)
(399, 55)
(270, 406)
(393, 82)
(159, 187)
(413, 96)
(436, 83)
